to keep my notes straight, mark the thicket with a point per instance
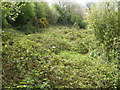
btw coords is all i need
(21, 14)
(103, 19)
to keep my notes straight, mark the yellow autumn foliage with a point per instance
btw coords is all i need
(43, 22)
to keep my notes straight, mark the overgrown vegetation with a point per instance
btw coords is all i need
(105, 25)
(57, 47)
(48, 59)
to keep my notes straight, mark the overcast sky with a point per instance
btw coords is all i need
(83, 2)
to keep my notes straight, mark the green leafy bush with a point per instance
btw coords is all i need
(77, 20)
(27, 14)
(10, 11)
(53, 16)
(104, 20)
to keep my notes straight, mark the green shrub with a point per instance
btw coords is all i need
(53, 16)
(27, 14)
(104, 20)
(77, 20)
(29, 28)
(10, 11)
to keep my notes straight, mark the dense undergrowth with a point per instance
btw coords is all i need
(38, 52)
(58, 57)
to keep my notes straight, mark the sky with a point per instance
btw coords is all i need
(83, 2)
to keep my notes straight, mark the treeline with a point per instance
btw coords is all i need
(40, 14)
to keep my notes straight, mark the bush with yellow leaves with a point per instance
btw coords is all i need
(43, 22)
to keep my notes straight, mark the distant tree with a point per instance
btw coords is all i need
(70, 13)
